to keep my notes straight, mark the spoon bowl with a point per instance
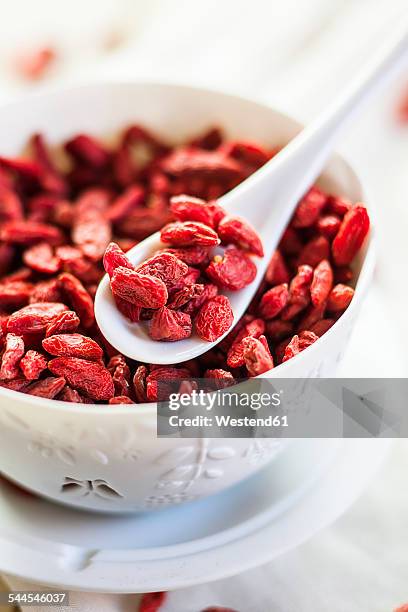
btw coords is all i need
(267, 199)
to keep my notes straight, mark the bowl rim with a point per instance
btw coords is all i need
(151, 408)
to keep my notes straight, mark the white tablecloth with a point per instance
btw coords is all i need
(297, 54)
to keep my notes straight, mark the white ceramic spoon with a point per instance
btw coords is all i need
(266, 199)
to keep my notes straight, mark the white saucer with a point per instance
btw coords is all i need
(305, 489)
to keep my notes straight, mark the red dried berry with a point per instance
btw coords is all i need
(139, 289)
(224, 378)
(306, 338)
(70, 395)
(114, 257)
(183, 296)
(89, 377)
(322, 283)
(48, 388)
(170, 325)
(120, 399)
(234, 230)
(277, 272)
(234, 271)
(33, 364)
(130, 311)
(187, 208)
(309, 208)
(188, 163)
(72, 345)
(160, 381)
(292, 349)
(91, 230)
(350, 237)
(299, 292)
(152, 602)
(252, 329)
(314, 251)
(40, 258)
(337, 205)
(274, 301)
(13, 353)
(78, 297)
(192, 256)
(165, 266)
(67, 321)
(328, 226)
(312, 315)
(34, 318)
(340, 297)
(11, 207)
(277, 329)
(29, 232)
(189, 233)
(139, 383)
(46, 291)
(214, 318)
(193, 305)
(125, 203)
(321, 327)
(88, 150)
(14, 294)
(290, 243)
(257, 356)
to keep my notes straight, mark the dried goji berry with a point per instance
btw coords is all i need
(114, 257)
(40, 258)
(309, 208)
(165, 266)
(257, 356)
(120, 399)
(187, 208)
(209, 140)
(91, 230)
(161, 380)
(224, 378)
(277, 272)
(33, 364)
(130, 311)
(152, 602)
(254, 329)
(350, 237)
(192, 256)
(234, 271)
(214, 318)
(190, 162)
(46, 291)
(14, 294)
(88, 150)
(306, 338)
(78, 297)
(299, 292)
(139, 289)
(340, 297)
(328, 226)
(322, 283)
(195, 303)
(11, 207)
(184, 295)
(72, 345)
(89, 377)
(67, 321)
(34, 318)
(125, 203)
(47, 387)
(274, 301)
(338, 205)
(189, 233)
(321, 327)
(292, 349)
(139, 383)
(314, 251)
(7, 253)
(170, 325)
(234, 230)
(11, 357)
(29, 232)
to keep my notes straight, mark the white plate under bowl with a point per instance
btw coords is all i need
(305, 489)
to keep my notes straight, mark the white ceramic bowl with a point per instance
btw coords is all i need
(107, 458)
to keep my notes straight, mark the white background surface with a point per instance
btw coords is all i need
(296, 54)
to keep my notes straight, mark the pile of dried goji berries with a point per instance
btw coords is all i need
(55, 227)
(172, 294)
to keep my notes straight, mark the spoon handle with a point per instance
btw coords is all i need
(279, 184)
